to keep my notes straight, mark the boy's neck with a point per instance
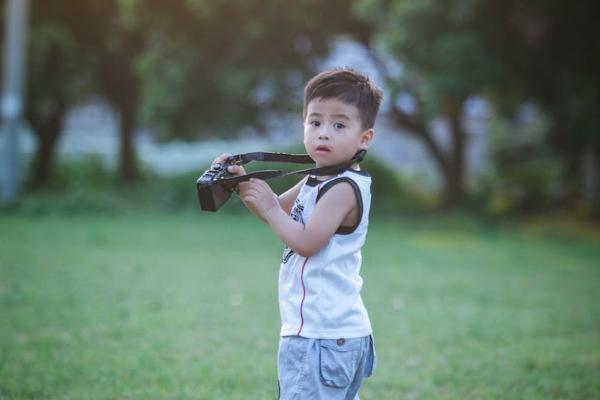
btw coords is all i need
(355, 167)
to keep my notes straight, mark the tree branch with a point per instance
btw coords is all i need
(413, 124)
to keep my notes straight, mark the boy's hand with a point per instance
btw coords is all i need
(235, 170)
(259, 198)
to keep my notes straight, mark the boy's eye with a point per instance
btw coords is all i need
(338, 125)
(315, 123)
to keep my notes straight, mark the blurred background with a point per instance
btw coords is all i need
(490, 106)
(481, 268)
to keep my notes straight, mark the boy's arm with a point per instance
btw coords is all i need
(306, 240)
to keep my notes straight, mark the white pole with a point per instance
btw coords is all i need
(11, 106)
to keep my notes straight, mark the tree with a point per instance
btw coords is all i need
(78, 51)
(551, 51)
(509, 51)
(123, 38)
(444, 63)
(59, 76)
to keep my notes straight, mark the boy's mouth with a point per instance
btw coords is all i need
(322, 149)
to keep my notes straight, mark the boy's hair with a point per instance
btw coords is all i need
(348, 86)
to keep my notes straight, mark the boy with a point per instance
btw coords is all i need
(326, 348)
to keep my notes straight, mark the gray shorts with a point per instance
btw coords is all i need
(328, 369)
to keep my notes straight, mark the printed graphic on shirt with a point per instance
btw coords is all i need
(296, 215)
(287, 254)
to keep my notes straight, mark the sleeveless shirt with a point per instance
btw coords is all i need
(319, 296)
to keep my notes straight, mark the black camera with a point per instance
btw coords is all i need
(212, 191)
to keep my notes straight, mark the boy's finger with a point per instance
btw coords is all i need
(252, 191)
(253, 183)
(222, 158)
(263, 185)
(235, 169)
(257, 182)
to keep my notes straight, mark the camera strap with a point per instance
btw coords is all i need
(241, 159)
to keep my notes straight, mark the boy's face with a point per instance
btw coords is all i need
(333, 131)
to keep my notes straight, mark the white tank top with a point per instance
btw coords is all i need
(319, 296)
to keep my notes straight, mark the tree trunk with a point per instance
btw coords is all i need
(591, 175)
(128, 170)
(454, 191)
(120, 84)
(454, 182)
(450, 165)
(47, 132)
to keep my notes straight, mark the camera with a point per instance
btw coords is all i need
(212, 191)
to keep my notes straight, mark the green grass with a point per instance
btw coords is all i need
(185, 307)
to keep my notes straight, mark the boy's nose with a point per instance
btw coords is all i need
(323, 134)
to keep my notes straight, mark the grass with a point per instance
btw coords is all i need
(185, 307)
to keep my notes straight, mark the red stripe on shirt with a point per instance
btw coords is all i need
(303, 297)
(304, 287)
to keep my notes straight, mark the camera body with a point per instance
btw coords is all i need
(213, 193)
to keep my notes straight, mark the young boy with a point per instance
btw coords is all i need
(326, 348)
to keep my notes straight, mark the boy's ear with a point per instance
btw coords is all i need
(366, 138)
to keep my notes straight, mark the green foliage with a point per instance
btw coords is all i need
(87, 186)
(59, 65)
(441, 46)
(54, 51)
(529, 185)
(213, 67)
(389, 192)
(185, 307)
(515, 51)
(510, 52)
(526, 176)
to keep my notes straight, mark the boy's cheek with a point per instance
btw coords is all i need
(306, 143)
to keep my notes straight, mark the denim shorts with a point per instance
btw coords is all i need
(323, 369)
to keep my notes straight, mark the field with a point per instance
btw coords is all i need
(185, 307)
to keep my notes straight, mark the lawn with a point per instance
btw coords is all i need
(185, 307)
